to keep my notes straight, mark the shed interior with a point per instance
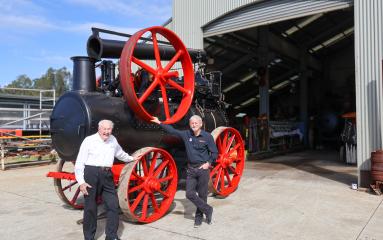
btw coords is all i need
(318, 48)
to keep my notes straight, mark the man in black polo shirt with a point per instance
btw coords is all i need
(201, 151)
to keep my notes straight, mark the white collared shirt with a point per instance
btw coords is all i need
(96, 152)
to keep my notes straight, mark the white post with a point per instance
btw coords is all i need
(2, 157)
(41, 98)
(54, 97)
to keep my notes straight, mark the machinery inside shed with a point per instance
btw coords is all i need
(291, 84)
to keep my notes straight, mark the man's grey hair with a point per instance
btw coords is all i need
(105, 121)
(195, 117)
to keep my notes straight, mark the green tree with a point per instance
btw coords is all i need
(62, 80)
(53, 79)
(46, 81)
(22, 81)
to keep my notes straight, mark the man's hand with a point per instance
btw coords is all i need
(155, 120)
(205, 166)
(137, 157)
(83, 188)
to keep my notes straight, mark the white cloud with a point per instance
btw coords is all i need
(49, 57)
(111, 5)
(23, 23)
(16, 15)
(139, 8)
(34, 24)
(86, 28)
(19, 6)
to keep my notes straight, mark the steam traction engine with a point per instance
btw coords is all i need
(146, 187)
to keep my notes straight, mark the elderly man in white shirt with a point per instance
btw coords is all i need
(93, 174)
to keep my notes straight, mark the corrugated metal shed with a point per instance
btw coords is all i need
(368, 73)
(268, 12)
(189, 16)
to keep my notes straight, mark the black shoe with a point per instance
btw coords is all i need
(108, 238)
(197, 222)
(209, 216)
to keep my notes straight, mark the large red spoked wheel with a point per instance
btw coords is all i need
(162, 75)
(147, 186)
(66, 187)
(227, 170)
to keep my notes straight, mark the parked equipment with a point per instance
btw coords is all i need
(146, 86)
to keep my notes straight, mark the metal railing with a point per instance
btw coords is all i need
(25, 113)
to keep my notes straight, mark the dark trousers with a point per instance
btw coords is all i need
(197, 183)
(102, 184)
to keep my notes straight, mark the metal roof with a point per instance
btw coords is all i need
(236, 53)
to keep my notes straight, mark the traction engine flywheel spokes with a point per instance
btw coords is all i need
(226, 172)
(163, 76)
(147, 186)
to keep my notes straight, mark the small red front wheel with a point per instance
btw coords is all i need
(161, 78)
(148, 186)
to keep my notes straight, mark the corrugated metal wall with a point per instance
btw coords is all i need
(368, 77)
(190, 15)
(269, 12)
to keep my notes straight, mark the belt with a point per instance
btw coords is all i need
(100, 167)
(194, 165)
(105, 168)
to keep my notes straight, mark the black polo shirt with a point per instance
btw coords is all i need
(199, 149)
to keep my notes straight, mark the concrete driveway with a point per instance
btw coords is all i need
(304, 195)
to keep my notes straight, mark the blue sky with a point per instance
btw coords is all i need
(39, 34)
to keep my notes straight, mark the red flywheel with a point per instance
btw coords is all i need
(163, 77)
